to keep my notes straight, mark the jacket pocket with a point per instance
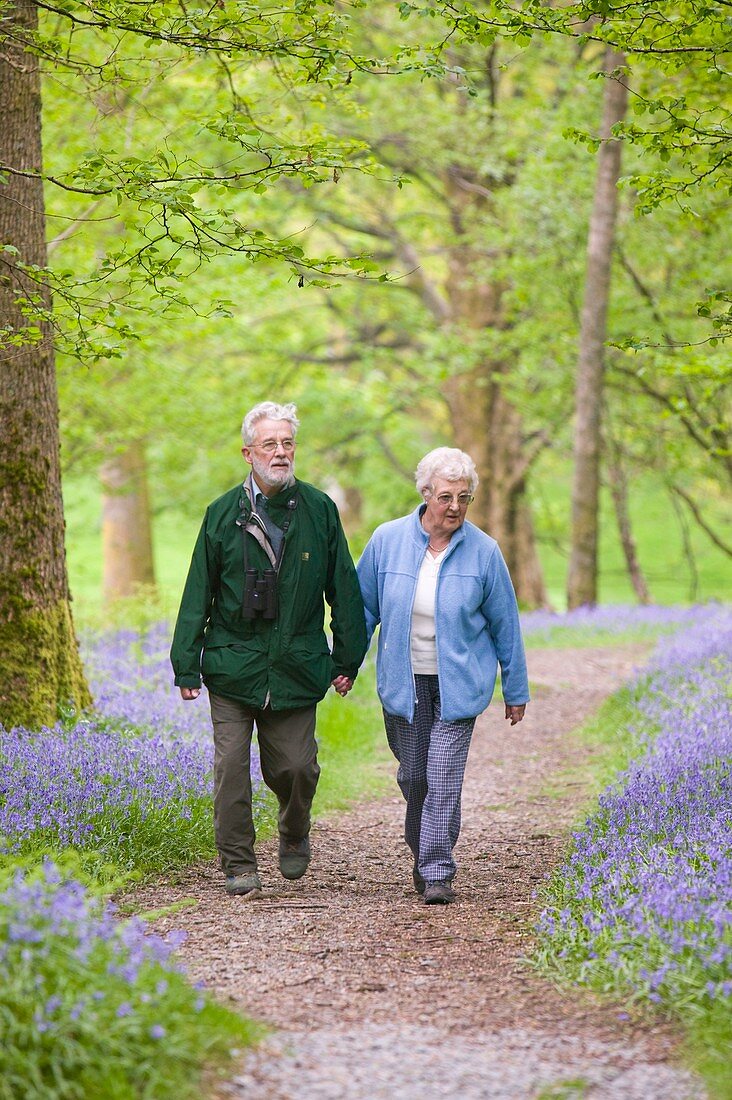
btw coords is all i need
(236, 670)
(308, 668)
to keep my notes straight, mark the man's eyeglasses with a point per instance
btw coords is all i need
(445, 499)
(270, 445)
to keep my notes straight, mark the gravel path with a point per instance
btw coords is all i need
(370, 993)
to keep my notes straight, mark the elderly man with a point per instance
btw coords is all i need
(251, 624)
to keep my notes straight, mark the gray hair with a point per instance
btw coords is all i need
(267, 410)
(448, 463)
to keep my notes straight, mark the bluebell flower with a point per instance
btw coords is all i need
(650, 874)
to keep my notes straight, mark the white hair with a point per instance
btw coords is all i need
(267, 410)
(447, 463)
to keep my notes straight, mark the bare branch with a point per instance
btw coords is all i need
(663, 399)
(530, 451)
(694, 509)
(71, 229)
(408, 474)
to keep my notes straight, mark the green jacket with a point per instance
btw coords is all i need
(285, 662)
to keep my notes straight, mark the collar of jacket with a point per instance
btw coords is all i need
(280, 500)
(421, 537)
(251, 523)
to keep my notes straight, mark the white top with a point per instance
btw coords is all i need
(422, 638)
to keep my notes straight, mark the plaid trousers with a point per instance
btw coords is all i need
(432, 755)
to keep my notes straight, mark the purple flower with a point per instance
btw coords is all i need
(147, 753)
(650, 874)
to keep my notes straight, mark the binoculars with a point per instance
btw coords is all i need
(260, 594)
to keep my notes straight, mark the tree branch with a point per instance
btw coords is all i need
(663, 399)
(644, 292)
(530, 451)
(694, 509)
(71, 229)
(408, 474)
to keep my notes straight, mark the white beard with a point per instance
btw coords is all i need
(277, 477)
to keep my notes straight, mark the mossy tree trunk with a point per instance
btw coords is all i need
(41, 668)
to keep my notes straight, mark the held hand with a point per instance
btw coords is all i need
(516, 714)
(189, 693)
(342, 684)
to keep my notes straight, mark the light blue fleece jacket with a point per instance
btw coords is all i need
(476, 618)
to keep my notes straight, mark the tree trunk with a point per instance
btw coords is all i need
(619, 492)
(688, 548)
(488, 426)
(583, 562)
(41, 668)
(127, 550)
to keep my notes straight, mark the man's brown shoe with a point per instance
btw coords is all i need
(294, 857)
(244, 884)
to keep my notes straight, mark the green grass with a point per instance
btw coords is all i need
(352, 748)
(605, 746)
(609, 737)
(173, 539)
(573, 1088)
(708, 1049)
(657, 532)
(355, 762)
(130, 845)
(576, 637)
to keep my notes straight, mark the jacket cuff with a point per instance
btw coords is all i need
(345, 672)
(188, 681)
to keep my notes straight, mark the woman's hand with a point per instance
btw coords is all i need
(516, 714)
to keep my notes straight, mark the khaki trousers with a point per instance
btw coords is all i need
(288, 755)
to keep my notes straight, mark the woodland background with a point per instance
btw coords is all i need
(502, 228)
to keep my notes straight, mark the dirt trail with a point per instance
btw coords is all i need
(371, 993)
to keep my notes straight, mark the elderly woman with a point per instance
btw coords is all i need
(441, 591)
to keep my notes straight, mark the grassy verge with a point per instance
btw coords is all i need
(565, 637)
(353, 753)
(640, 908)
(118, 802)
(708, 1049)
(94, 1008)
(611, 625)
(611, 738)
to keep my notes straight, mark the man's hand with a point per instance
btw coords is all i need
(342, 684)
(516, 714)
(189, 693)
